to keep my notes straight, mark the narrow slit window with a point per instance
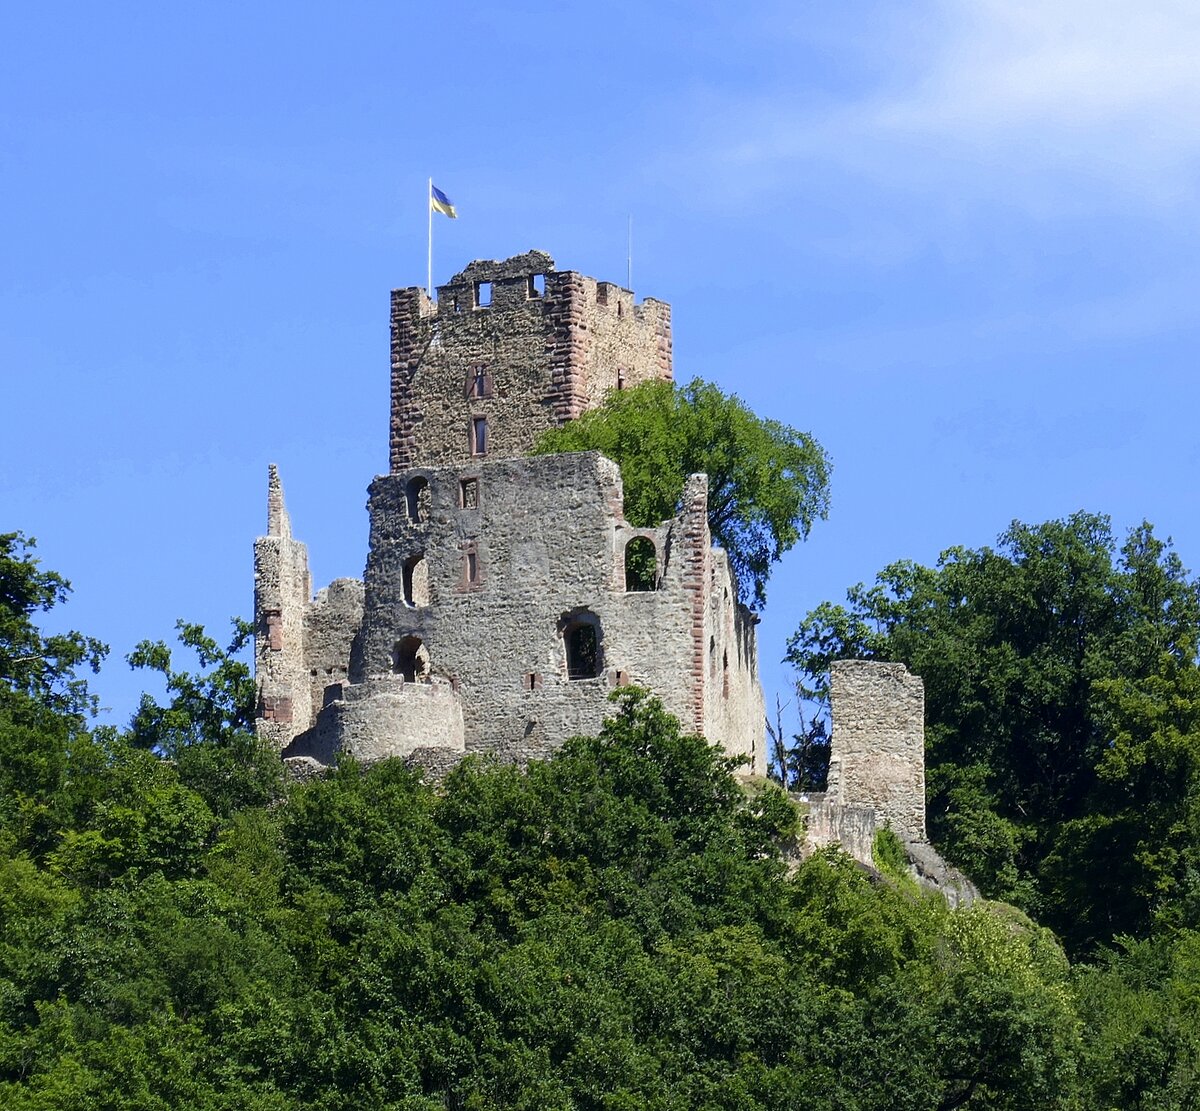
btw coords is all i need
(472, 569)
(479, 435)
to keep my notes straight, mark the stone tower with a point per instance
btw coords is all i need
(508, 350)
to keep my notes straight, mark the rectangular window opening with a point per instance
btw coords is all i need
(483, 295)
(537, 285)
(479, 436)
(468, 491)
(472, 566)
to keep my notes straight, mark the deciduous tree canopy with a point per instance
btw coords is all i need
(767, 483)
(1063, 727)
(613, 928)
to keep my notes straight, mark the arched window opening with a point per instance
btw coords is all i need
(416, 581)
(410, 659)
(581, 639)
(641, 564)
(417, 493)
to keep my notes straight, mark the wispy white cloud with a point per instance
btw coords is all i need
(1047, 105)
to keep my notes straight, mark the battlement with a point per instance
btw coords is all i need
(509, 349)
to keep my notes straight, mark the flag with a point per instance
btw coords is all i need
(439, 202)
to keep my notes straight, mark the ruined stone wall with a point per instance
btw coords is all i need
(733, 697)
(385, 717)
(302, 646)
(547, 345)
(878, 742)
(850, 827)
(282, 587)
(331, 622)
(537, 553)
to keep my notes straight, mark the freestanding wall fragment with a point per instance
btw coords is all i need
(878, 739)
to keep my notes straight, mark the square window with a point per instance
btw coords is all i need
(469, 493)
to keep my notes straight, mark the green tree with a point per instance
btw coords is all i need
(767, 482)
(37, 667)
(207, 725)
(1029, 653)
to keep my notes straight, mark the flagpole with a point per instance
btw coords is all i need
(429, 211)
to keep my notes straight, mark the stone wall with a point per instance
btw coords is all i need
(830, 822)
(547, 345)
(878, 743)
(302, 645)
(511, 579)
(331, 622)
(384, 717)
(734, 710)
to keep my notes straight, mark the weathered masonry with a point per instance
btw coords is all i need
(505, 595)
(509, 349)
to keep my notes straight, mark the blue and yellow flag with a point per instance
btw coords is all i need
(439, 202)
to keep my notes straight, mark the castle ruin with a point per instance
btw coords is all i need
(505, 595)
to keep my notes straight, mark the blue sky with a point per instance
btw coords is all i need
(955, 241)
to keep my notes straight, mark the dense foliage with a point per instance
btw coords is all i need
(1062, 716)
(767, 482)
(613, 929)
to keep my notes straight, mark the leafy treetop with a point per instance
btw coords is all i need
(767, 482)
(1062, 709)
(32, 665)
